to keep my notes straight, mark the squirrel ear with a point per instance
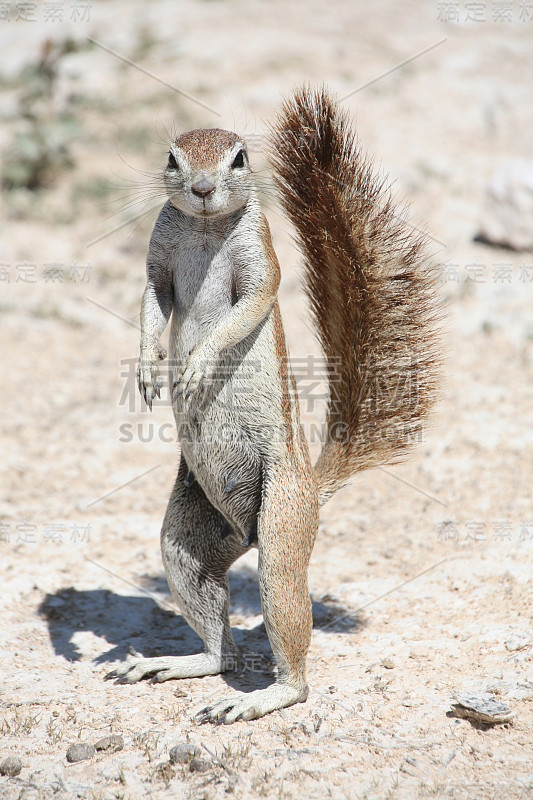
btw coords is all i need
(238, 161)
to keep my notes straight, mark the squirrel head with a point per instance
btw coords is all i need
(208, 173)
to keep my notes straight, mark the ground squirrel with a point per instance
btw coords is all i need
(245, 477)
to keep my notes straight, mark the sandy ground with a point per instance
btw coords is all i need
(421, 575)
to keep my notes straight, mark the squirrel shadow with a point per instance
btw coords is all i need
(139, 622)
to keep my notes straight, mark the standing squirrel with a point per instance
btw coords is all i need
(245, 477)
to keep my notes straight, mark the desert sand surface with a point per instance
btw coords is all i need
(421, 574)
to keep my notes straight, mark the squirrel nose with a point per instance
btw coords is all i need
(202, 187)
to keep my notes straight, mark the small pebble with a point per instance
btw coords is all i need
(10, 766)
(112, 743)
(80, 752)
(388, 663)
(482, 707)
(518, 642)
(165, 771)
(183, 753)
(199, 765)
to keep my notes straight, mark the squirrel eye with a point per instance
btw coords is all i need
(238, 161)
(172, 163)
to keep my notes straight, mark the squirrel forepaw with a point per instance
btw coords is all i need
(149, 381)
(192, 377)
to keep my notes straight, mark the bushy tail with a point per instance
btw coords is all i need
(371, 289)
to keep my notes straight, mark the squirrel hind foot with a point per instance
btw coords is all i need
(252, 705)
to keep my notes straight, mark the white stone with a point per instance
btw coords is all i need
(508, 214)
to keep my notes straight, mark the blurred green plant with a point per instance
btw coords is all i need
(41, 145)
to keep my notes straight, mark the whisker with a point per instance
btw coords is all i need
(168, 134)
(156, 178)
(142, 217)
(134, 203)
(135, 169)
